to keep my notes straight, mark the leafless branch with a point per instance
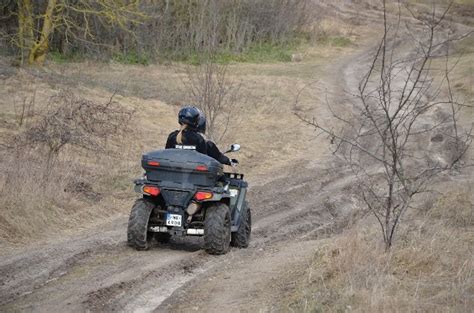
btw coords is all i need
(403, 132)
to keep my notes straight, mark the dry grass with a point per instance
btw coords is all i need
(84, 187)
(430, 268)
(31, 203)
(35, 202)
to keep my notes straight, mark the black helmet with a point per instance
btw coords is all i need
(202, 123)
(189, 115)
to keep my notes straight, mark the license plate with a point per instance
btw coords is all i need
(173, 220)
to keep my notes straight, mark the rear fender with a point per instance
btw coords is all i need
(237, 209)
(206, 204)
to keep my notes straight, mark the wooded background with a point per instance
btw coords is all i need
(169, 29)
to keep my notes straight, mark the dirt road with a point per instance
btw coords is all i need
(99, 272)
(96, 270)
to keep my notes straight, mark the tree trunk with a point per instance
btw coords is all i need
(39, 49)
(25, 28)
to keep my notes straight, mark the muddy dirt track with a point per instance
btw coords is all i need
(97, 271)
(292, 207)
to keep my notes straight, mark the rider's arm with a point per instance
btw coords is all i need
(171, 142)
(214, 152)
(201, 145)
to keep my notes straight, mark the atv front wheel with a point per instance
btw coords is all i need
(241, 237)
(217, 229)
(137, 232)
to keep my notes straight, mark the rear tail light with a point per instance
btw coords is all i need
(153, 163)
(201, 168)
(203, 195)
(151, 190)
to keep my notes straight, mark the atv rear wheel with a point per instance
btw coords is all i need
(217, 229)
(137, 232)
(241, 237)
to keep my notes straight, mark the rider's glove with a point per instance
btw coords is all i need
(234, 162)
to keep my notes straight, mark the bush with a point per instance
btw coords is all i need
(73, 121)
(53, 161)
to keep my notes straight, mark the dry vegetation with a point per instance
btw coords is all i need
(430, 268)
(401, 104)
(56, 148)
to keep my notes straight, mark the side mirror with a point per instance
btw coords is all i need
(233, 148)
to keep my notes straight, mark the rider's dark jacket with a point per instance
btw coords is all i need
(190, 138)
(214, 152)
(193, 138)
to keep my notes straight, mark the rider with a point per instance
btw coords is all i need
(187, 136)
(212, 149)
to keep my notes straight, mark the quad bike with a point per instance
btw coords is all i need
(186, 193)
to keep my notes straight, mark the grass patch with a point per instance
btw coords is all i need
(118, 182)
(124, 58)
(62, 58)
(131, 58)
(430, 269)
(264, 53)
(335, 41)
(257, 53)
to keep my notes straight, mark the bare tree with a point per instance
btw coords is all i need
(403, 130)
(74, 121)
(215, 93)
(38, 21)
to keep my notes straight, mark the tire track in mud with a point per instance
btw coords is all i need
(24, 273)
(151, 289)
(280, 240)
(93, 279)
(143, 290)
(141, 281)
(297, 213)
(11, 272)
